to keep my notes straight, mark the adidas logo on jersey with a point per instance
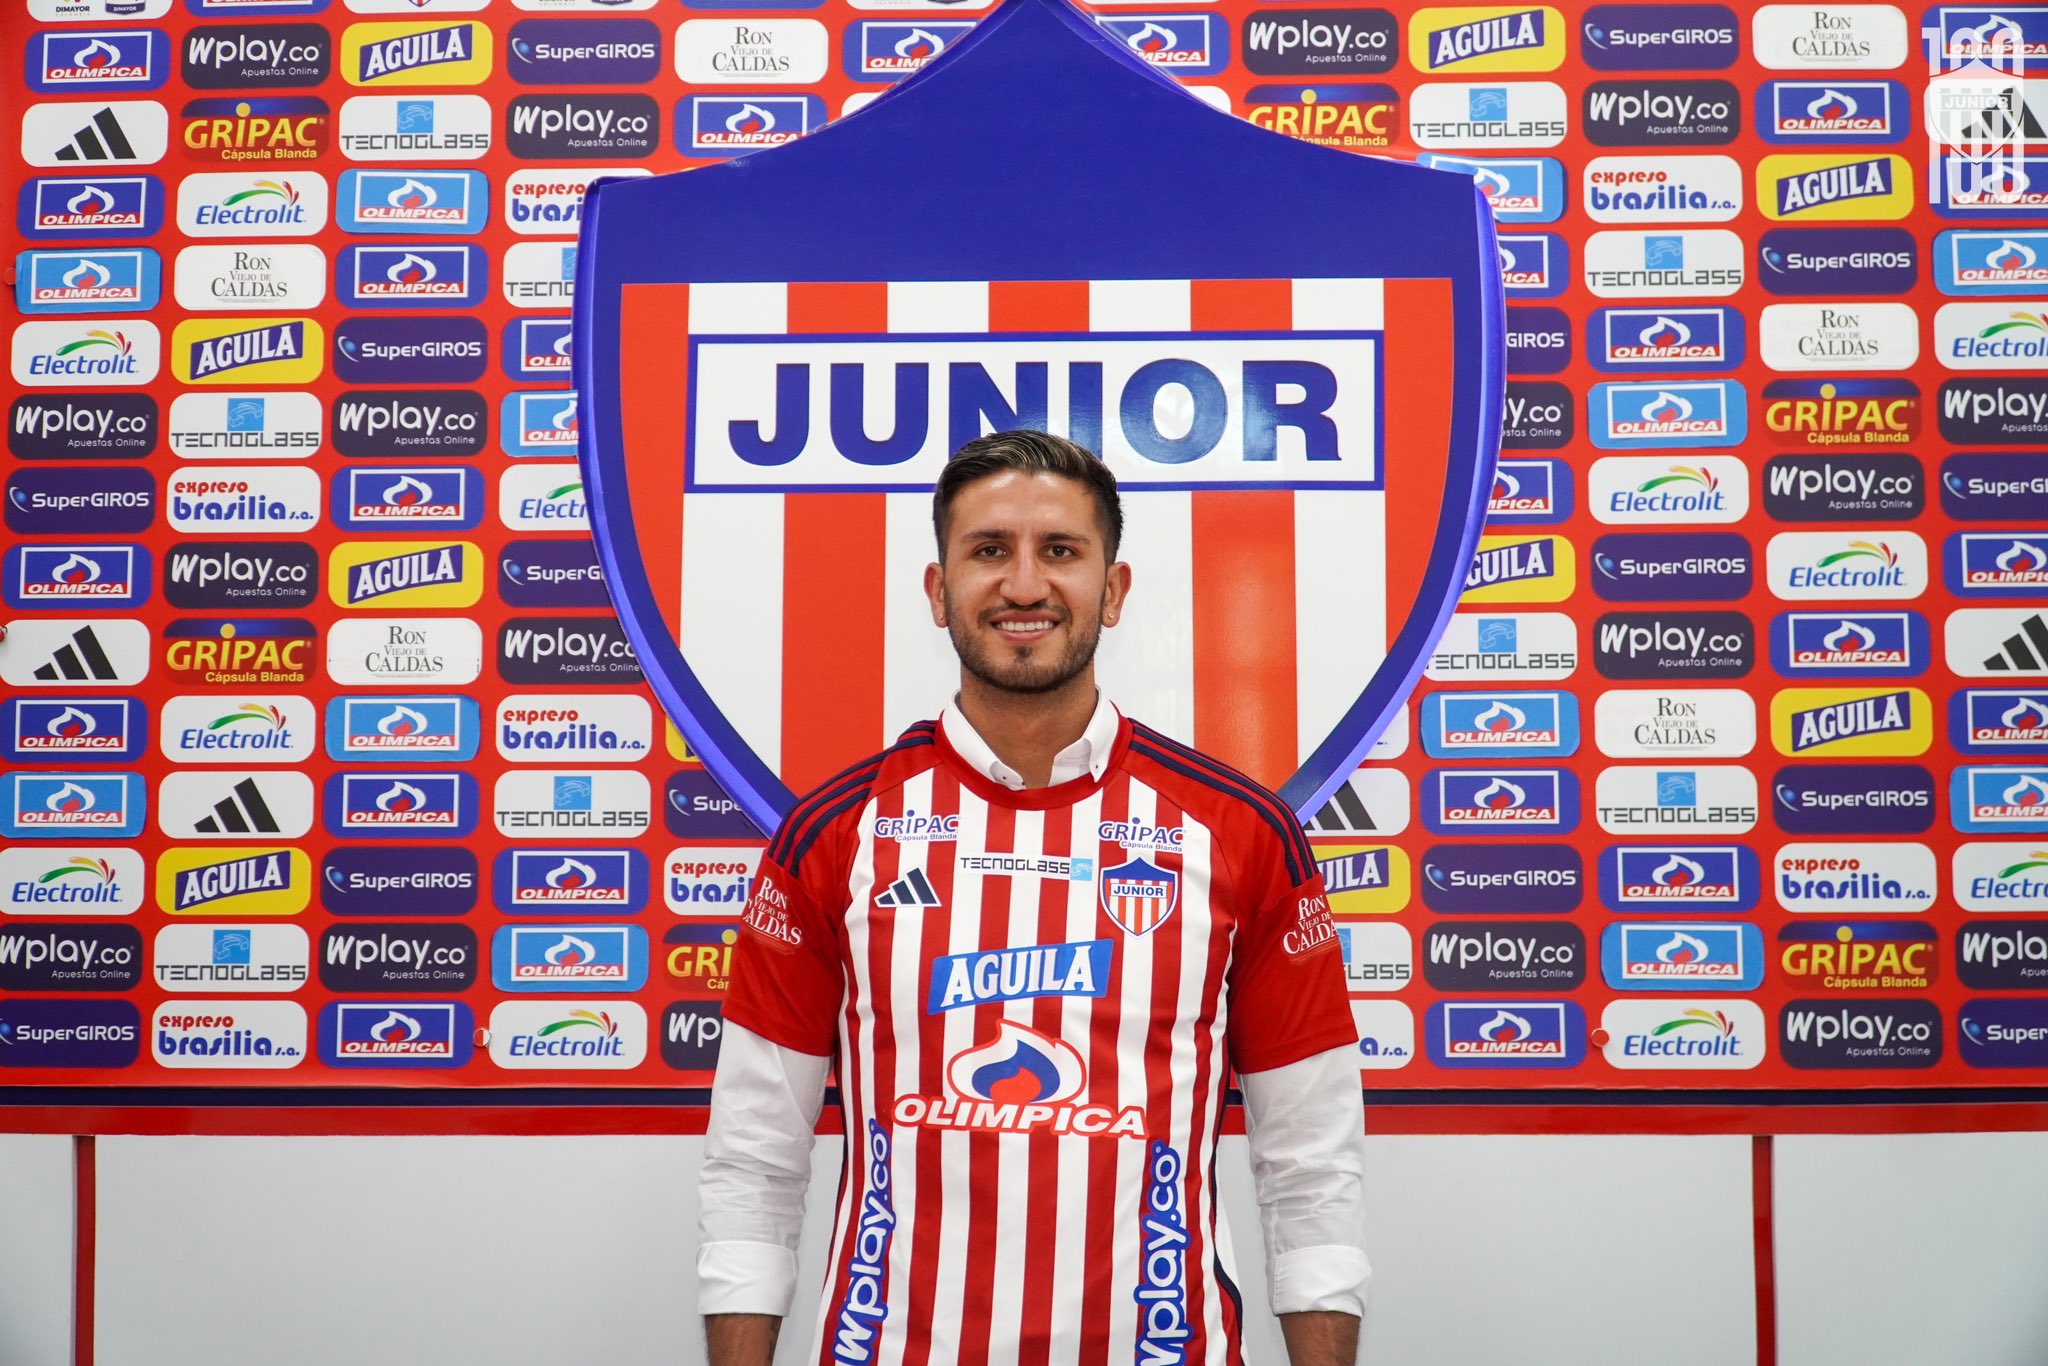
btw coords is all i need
(912, 889)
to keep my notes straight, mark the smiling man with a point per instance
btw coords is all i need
(1036, 938)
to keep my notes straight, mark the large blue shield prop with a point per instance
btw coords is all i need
(1290, 356)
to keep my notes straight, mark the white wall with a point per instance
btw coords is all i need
(1892, 1251)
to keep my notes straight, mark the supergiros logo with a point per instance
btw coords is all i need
(199, 881)
(267, 130)
(416, 54)
(1807, 187)
(1812, 723)
(1486, 38)
(248, 350)
(386, 574)
(1521, 569)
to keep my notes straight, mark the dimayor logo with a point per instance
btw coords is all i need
(1533, 265)
(1880, 644)
(396, 1034)
(416, 54)
(1520, 190)
(1997, 720)
(1997, 563)
(1505, 1034)
(2014, 261)
(1668, 877)
(105, 206)
(389, 574)
(96, 730)
(402, 729)
(104, 59)
(1999, 800)
(1186, 44)
(1642, 338)
(1675, 956)
(569, 958)
(1697, 413)
(1807, 187)
(412, 276)
(199, 881)
(93, 281)
(247, 350)
(729, 125)
(1532, 724)
(43, 576)
(1467, 801)
(240, 204)
(1486, 39)
(1521, 569)
(376, 498)
(600, 881)
(42, 806)
(125, 353)
(1818, 564)
(1827, 722)
(1839, 111)
(408, 805)
(413, 201)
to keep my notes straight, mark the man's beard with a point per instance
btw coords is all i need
(985, 656)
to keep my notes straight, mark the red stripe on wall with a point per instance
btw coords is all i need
(1243, 551)
(1038, 306)
(834, 568)
(654, 383)
(85, 1244)
(1417, 423)
(1760, 1157)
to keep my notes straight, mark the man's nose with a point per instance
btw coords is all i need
(1026, 583)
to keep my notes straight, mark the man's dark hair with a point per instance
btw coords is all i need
(1034, 453)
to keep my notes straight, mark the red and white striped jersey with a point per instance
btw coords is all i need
(1036, 998)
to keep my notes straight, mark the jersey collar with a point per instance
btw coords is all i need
(1077, 769)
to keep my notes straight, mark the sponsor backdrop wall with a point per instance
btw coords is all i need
(326, 764)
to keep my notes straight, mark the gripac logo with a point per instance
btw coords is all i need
(1503, 955)
(1539, 415)
(560, 573)
(1666, 955)
(1863, 799)
(396, 1034)
(569, 958)
(356, 881)
(411, 276)
(1532, 879)
(1835, 261)
(1859, 955)
(238, 56)
(239, 652)
(1845, 1035)
(97, 206)
(258, 574)
(1659, 37)
(92, 60)
(1844, 488)
(413, 201)
(245, 426)
(2012, 261)
(402, 729)
(1320, 42)
(95, 1034)
(1514, 114)
(1660, 113)
(70, 957)
(1842, 412)
(1833, 112)
(410, 350)
(2010, 956)
(1533, 265)
(1999, 721)
(408, 423)
(1511, 1033)
(1506, 647)
(1850, 644)
(622, 127)
(67, 500)
(279, 128)
(732, 125)
(267, 203)
(535, 348)
(398, 957)
(564, 881)
(379, 497)
(1533, 800)
(1677, 263)
(82, 426)
(1533, 490)
(92, 280)
(47, 576)
(1674, 878)
(1518, 189)
(1700, 566)
(571, 650)
(1996, 563)
(72, 730)
(583, 52)
(1539, 341)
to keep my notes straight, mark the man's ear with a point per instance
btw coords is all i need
(1114, 591)
(935, 592)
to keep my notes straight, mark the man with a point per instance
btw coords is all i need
(1036, 936)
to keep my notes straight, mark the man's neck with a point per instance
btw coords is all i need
(1028, 730)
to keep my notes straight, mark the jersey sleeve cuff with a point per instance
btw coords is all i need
(1320, 1279)
(745, 1278)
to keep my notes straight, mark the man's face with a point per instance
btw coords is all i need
(1026, 586)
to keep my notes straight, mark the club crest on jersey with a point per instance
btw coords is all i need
(1016, 1082)
(844, 374)
(1139, 895)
